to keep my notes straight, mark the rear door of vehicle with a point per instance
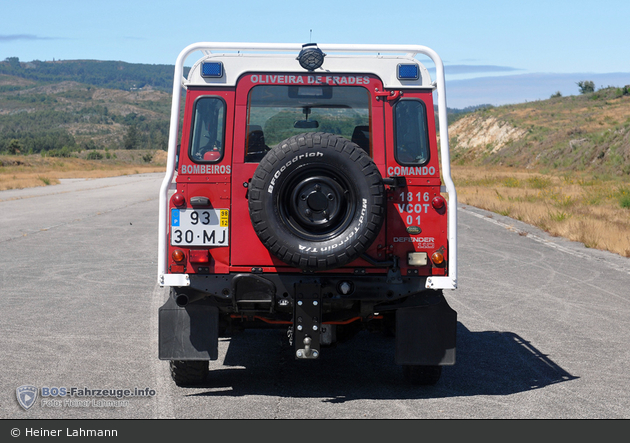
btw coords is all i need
(247, 251)
(204, 177)
(413, 223)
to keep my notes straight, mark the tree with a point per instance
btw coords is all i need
(14, 62)
(130, 141)
(15, 147)
(586, 86)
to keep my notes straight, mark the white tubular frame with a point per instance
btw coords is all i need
(446, 282)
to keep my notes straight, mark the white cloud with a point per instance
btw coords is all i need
(17, 37)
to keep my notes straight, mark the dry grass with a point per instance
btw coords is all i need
(18, 172)
(593, 211)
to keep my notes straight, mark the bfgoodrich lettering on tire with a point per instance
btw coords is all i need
(317, 201)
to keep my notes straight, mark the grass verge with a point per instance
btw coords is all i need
(27, 171)
(591, 209)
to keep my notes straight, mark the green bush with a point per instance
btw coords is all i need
(624, 197)
(64, 152)
(94, 155)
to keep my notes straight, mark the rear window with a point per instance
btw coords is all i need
(208, 130)
(411, 132)
(277, 112)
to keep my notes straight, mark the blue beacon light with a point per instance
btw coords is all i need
(408, 72)
(212, 69)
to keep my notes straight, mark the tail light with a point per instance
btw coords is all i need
(438, 202)
(178, 256)
(179, 200)
(199, 256)
(437, 258)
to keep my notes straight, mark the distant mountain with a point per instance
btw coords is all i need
(103, 74)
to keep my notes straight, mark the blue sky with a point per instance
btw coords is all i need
(494, 51)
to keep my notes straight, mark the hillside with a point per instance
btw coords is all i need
(48, 117)
(589, 132)
(102, 74)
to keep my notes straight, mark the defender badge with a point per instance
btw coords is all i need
(26, 395)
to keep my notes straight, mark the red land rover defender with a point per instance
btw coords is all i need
(308, 195)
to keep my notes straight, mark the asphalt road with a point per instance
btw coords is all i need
(543, 325)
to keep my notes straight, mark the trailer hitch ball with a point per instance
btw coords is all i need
(307, 346)
(307, 352)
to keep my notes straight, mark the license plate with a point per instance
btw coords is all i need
(203, 227)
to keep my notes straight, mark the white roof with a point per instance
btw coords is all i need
(236, 64)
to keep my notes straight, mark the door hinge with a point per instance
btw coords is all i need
(388, 95)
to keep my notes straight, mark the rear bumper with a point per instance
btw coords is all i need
(180, 280)
(275, 292)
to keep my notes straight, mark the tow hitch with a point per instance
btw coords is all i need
(307, 321)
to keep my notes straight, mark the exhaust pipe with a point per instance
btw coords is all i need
(183, 299)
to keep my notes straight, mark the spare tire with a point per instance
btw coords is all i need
(317, 201)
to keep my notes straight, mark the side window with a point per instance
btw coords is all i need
(411, 134)
(208, 130)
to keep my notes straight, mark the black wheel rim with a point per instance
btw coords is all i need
(316, 203)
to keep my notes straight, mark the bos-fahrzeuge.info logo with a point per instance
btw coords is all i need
(74, 397)
(26, 395)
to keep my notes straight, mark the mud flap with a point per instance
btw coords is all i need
(188, 333)
(425, 335)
